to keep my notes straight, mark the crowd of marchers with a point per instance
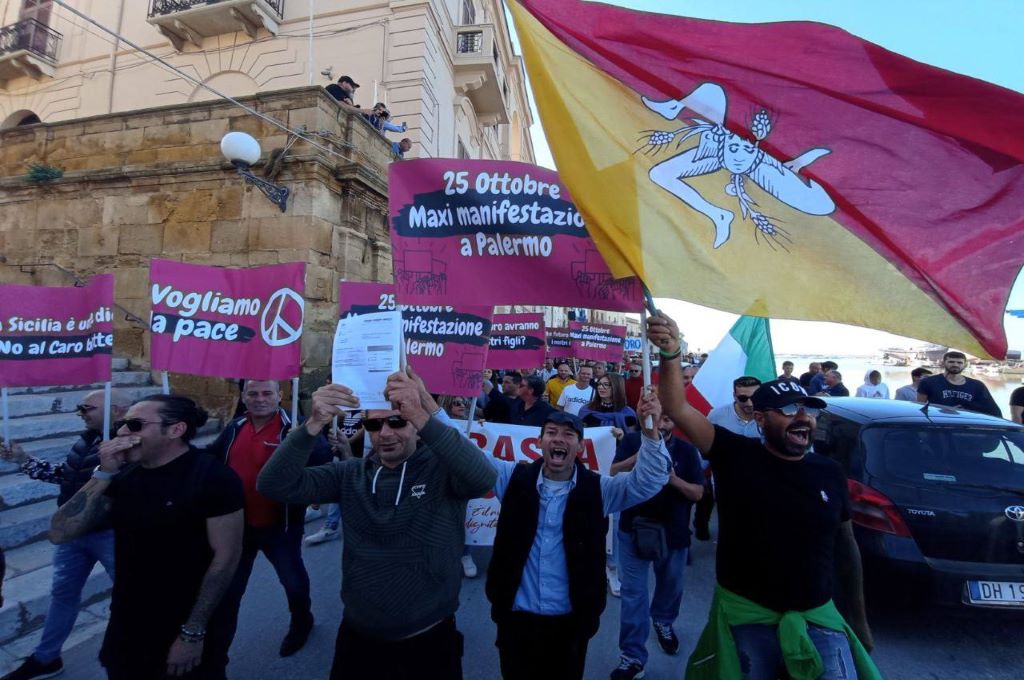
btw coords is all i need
(152, 508)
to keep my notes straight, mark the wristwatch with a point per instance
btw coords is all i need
(101, 474)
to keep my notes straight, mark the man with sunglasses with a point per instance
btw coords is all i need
(738, 416)
(72, 561)
(177, 516)
(403, 510)
(784, 532)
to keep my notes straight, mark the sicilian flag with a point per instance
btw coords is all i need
(784, 170)
(745, 350)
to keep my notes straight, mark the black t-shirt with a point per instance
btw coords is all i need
(161, 549)
(335, 91)
(533, 416)
(778, 522)
(972, 395)
(669, 507)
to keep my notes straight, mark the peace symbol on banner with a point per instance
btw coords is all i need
(275, 327)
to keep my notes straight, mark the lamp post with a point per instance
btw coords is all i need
(242, 150)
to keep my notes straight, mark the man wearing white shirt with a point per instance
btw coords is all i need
(575, 397)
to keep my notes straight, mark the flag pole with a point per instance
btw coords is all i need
(470, 416)
(6, 417)
(645, 347)
(645, 353)
(295, 400)
(165, 383)
(106, 411)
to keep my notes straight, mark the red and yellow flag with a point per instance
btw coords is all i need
(787, 170)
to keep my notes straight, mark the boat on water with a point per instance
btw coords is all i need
(902, 356)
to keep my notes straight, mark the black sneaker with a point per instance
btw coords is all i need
(298, 633)
(629, 669)
(33, 669)
(667, 638)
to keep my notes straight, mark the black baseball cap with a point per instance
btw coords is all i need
(779, 393)
(347, 79)
(563, 418)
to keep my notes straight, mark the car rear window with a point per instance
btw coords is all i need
(945, 455)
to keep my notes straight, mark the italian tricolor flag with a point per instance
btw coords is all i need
(745, 350)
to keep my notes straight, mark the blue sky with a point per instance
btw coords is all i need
(981, 39)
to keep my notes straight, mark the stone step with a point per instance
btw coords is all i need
(28, 557)
(119, 379)
(119, 364)
(53, 450)
(30, 428)
(34, 404)
(22, 525)
(27, 597)
(91, 623)
(19, 489)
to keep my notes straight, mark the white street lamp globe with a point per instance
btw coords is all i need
(239, 146)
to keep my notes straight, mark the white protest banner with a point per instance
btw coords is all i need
(519, 443)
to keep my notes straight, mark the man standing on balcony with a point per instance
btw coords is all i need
(73, 561)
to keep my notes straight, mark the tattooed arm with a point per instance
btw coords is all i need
(86, 510)
(90, 506)
(224, 534)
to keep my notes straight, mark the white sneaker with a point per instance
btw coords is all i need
(468, 566)
(614, 584)
(314, 513)
(322, 536)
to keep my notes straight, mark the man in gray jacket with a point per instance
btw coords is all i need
(403, 513)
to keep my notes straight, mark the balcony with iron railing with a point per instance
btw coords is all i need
(478, 72)
(28, 48)
(189, 21)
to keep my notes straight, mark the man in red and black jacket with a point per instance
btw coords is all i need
(273, 528)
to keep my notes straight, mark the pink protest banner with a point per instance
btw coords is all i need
(228, 323)
(445, 346)
(457, 225)
(517, 340)
(559, 342)
(596, 341)
(56, 336)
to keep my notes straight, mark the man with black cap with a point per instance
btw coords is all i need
(344, 91)
(784, 525)
(546, 580)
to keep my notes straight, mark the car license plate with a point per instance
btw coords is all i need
(996, 592)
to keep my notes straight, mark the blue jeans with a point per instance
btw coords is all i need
(637, 611)
(333, 517)
(72, 564)
(761, 656)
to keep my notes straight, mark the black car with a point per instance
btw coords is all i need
(937, 498)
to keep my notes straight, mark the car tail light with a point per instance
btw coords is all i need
(874, 510)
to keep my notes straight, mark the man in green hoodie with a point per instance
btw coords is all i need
(403, 511)
(784, 530)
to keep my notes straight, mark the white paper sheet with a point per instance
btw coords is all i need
(367, 349)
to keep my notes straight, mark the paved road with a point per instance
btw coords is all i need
(927, 644)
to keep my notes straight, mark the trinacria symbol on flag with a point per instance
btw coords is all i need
(720, 148)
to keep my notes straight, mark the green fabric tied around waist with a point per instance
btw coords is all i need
(716, 658)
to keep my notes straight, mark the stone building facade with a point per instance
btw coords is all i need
(153, 183)
(445, 67)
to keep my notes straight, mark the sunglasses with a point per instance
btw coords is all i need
(136, 424)
(635, 371)
(82, 409)
(793, 409)
(377, 424)
(743, 398)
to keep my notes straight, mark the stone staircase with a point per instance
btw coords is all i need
(44, 422)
